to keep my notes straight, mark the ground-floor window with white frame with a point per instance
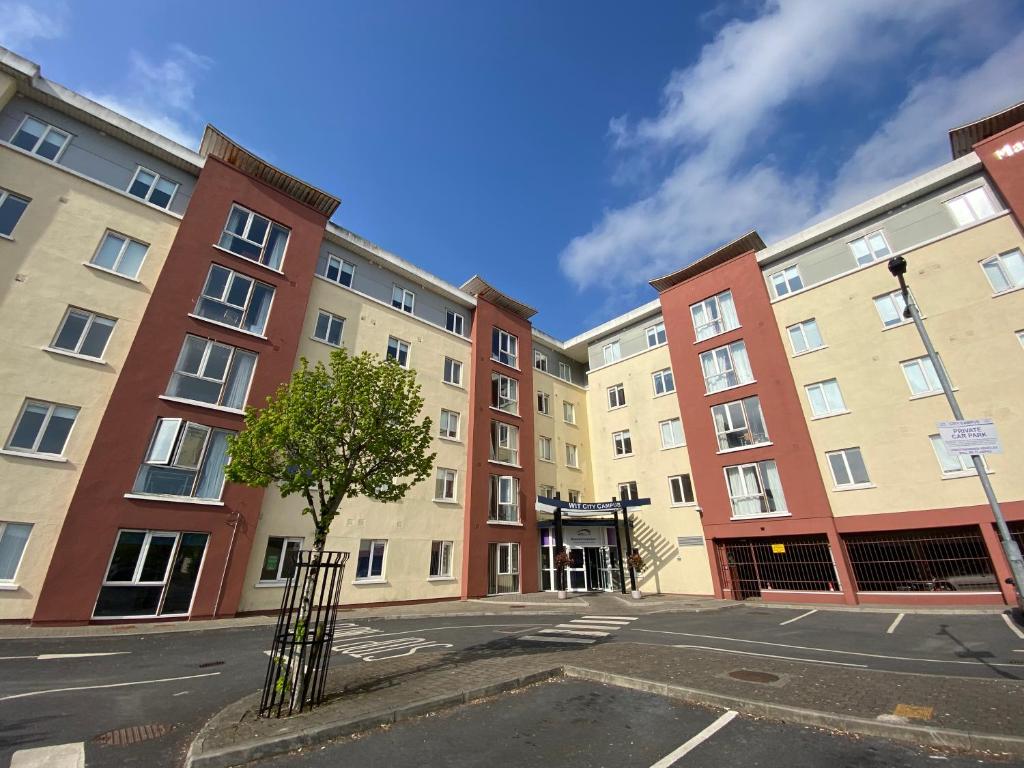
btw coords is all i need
(503, 568)
(441, 559)
(370, 565)
(279, 559)
(13, 538)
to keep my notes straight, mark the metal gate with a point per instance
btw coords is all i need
(794, 563)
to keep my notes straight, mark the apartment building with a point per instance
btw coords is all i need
(771, 405)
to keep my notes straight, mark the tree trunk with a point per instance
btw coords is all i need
(302, 674)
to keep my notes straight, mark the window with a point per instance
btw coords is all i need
(623, 443)
(572, 456)
(755, 489)
(441, 559)
(891, 307)
(452, 372)
(847, 467)
(787, 280)
(805, 336)
(655, 335)
(504, 348)
(663, 382)
(233, 299)
(210, 372)
(616, 396)
(504, 393)
(184, 459)
(370, 565)
(398, 351)
(611, 352)
(11, 208)
(568, 412)
(739, 424)
(454, 322)
(42, 428)
(279, 559)
(1005, 271)
(503, 568)
(564, 371)
(544, 403)
(825, 398)
(544, 449)
(546, 491)
(153, 188)
(444, 487)
(40, 138)
(328, 328)
(120, 254)
(970, 207)
(953, 463)
(714, 316)
(671, 433)
(504, 443)
(13, 538)
(336, 269)
(628, 491)
(503, 499)
(726, 367)
(921, 376)
(403, 299)
(870, 248)
(83, 333)
(540, 361)
(574, 497)
(680, 489)
(254, 237)
(449, 424)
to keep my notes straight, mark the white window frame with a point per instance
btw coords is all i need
(616, 397)
(895, 301)
(999, 262)
(120, 254)
(927, 373)
(504, 437)
(91, 318)
(622, 443)
(800, 329)
(546, 491)
(843, 453)
(611, 352)
(4, 195)
(784, 278)
(544, 399)
(742, 471)
(670, 424)
(140, 562)
(540, 361)
(285, 542)
(454, 322)
(157, 178)
(662, 378)
(447, 480)
(48, 127)
(331, 318)
(21, 556)
(675, 483)
(568, 412)
(720, 322)
(508, 348)
(51, 408)
(973, 201)
(722, 372)
(572, 456)
(342, 266)
(503, 487)
(510, 548)
(455, 366)
(369, 577)
(233, 276)
(399, 346)
(250, 216)
(824, 390)
(445, 551)
(403, 299)
(628, 491)
(176, 430)
(504, 393)
(209, 345)
(564, 371)
(574, 496)
(872, 254)
(445, 424)
(966, 466)
(544, 448)
(656, 330)
(731, 427)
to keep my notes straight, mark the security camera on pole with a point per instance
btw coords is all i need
(898, 268)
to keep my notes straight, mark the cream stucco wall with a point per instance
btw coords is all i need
(973, 331)
(410, 525)
(41, 274)
(555, 472)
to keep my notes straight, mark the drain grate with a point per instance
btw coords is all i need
(753, 676)
(133, 735)
(206, 664)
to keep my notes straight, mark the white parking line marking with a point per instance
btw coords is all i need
(55, 756)
(797, 618)
(696, 741)
(108, 685)
(550, 639)
(895, 623)
(569, 631)
(52, 656)
(1013, 627)
(772, 656)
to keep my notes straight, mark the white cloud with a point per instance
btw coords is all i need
(24, 23)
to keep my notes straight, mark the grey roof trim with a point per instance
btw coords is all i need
(479, 287)
(612, 326)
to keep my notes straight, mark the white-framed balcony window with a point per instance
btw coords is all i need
(655, 335)
(504, 393)
(120, 254)
(611, 352)
(255, 237)
(454, 322)
(739, 424)
(663, 382)
(39, 138)
(726, 367)
(279, 559)
(449, 422)
(714, 316)
(234, 299)
(805, 336)
(622, 443)
(398, 351)
(42, 428)
(403, 299)
(848, 468)
(628, 491)
(184, 459)
(544, 449)
(13, 538)
(970, 207)
(12, 206)
(564, 371)
(680, 489)
(152, 187)
(329, 328)
(370, 563)
(890, 308)
(504, 348)
(452, 372)
(572, 456)
(503, 568)
(671, 431)
(616, 396)
(336, 269)
(786, 280)
(540, 361)
(871, 247)
(953, 464)
(921, 376)
(210, 372)
(503, 499)
(441, 559)
(504, 443)
(825, 398)
(445, 484)
(544, 403)
(568, 412)
(84, 333)
(1005, 271)
(755, 489)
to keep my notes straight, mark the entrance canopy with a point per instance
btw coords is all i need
(587, 508)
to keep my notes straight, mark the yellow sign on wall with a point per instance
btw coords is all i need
(779, 549)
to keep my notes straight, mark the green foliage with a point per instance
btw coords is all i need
(336, 431)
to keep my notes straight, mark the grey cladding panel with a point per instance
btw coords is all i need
(578, 370)
(631, 341)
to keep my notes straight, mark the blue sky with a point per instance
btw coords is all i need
(566, 151)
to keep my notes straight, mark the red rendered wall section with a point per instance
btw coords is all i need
(1008, 171)
(478, 533)
(98, 508)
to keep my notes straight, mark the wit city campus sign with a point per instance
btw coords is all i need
(970, 436)
(547, 504)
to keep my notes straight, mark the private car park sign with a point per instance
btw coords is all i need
(970, 436)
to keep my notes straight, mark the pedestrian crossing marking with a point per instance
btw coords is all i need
(565, 629)
(613, 618)
(588, 625)
(583, 630)
(54, 756)
(551, 639)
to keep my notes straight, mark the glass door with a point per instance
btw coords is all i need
(577, 572)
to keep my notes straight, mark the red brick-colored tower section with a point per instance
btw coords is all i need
(1003, 158)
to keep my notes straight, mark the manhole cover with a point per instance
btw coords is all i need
(133, 735)
(753, 676)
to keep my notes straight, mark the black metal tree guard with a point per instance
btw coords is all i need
(301, 654)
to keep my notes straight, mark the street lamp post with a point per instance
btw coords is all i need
(898, 268)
